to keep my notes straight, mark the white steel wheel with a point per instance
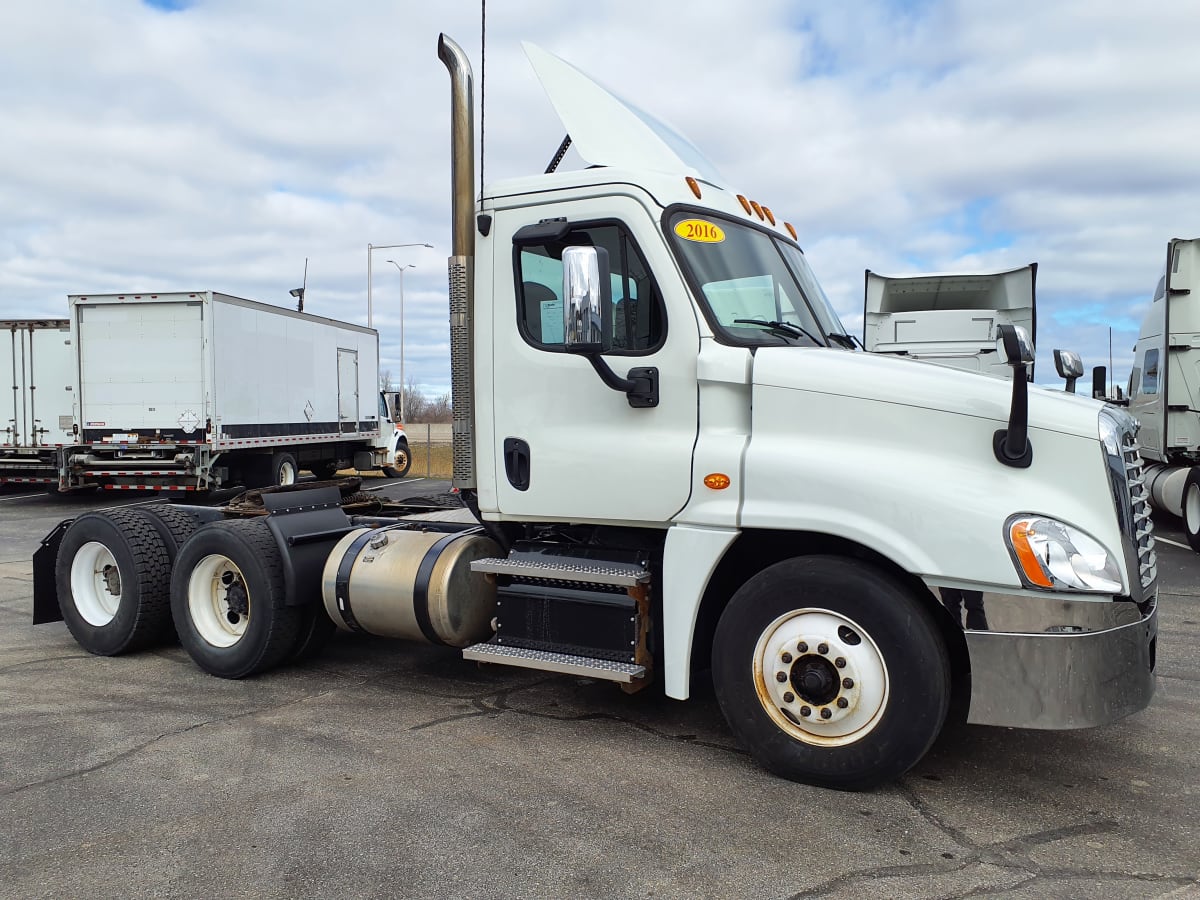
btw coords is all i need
(287, 472)
(820, 677)
(218, 600)
(96, 583)
(1191, 509)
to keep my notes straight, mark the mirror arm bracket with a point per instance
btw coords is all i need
(1011, 445)
(640, 386)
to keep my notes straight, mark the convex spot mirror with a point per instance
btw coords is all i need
(1013, 343)
(587, 300)
(1068, 364)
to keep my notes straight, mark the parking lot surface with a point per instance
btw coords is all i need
(392, 769)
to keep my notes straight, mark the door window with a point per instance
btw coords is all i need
(638, 323)
(1150, 378)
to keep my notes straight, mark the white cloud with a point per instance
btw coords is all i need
(222, 145)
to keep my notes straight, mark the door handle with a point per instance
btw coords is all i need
(516, 463)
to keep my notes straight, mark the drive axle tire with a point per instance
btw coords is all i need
(831, 672)
(228, 598)
(325, 469)
(1191, 508)
(401, 462)
(173, 525)
(113, 578)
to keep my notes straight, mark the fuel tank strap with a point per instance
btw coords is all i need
(420, 599)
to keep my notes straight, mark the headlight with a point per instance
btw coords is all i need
(1056, 557)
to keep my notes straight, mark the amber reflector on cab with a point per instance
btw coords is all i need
(757, 209)
(716, 481)
(691, 182)
(745, 204)
(791, 231)
(770, 215)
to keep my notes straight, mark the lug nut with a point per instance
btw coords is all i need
(781, 676)
(825, 712)
(787, 657)
(842, 702)
(802, 647)
(847, 682)
(789, 697)
(822, 648)
(805, 711)
(840, 662)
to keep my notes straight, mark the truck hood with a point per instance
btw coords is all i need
(908, 382)
(609, 131)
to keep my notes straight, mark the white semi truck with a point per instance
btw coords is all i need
(796, 517)
(951, 319)
(39, 414)
(1164, 387)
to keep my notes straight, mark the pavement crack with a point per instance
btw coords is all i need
(45, 659)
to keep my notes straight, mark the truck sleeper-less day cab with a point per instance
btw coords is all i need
(858, 547)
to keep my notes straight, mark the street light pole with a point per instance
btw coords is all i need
(403, 385)
(370, 249)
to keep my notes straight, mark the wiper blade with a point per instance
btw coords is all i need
(787, 329)
(848, 341)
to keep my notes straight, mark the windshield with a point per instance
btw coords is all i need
(757, 289)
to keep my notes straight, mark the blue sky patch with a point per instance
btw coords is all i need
(169, 5)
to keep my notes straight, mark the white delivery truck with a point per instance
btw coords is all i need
(39, 414)
(950, 318)
(800, 518)
(1164, 387)
(194, 390)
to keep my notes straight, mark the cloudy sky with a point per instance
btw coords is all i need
(155, 145)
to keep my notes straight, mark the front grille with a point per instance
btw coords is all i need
(1142, 536)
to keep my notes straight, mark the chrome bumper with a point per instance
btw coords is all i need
(1055, 664)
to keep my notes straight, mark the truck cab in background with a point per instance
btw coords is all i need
(950, 318)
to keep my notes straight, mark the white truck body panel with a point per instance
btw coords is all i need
(261, 375)
(36, 355)
(949, 319)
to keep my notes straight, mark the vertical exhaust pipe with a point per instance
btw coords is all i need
(462, 263)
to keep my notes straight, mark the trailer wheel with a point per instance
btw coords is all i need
(831, 672)
(401, 462)
(228, 597)
(283, 468)
(1191, 508)
(173, 525)
(113, 579)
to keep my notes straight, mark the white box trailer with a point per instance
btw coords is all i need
(193, 390)
(38, 415)
(949, 319)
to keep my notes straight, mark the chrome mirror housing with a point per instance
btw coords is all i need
(587, 300)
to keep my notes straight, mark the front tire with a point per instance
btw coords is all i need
(228, 598)
(1191, 508)
(831, 672)
(284, 469)
(401, 462)
(113, 574)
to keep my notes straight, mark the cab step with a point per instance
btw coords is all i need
(563, 568)
(547, 661)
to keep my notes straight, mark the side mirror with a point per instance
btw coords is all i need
(1014, 343)
(1069, 366)
(1011, 445)
(587, 300)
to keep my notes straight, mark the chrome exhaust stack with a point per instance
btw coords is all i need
(462, 263)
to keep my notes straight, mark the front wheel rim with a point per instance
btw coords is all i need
(95, 584)
(218, 600)
(820, 677)
(287, 473)
(401, 460)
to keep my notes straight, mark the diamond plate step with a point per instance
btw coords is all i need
(621, 574)
(546, 661)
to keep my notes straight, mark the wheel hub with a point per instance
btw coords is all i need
(820, 677)
(112, 580)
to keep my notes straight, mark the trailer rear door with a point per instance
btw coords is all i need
(141, 368)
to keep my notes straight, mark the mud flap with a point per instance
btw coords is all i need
(45, 593)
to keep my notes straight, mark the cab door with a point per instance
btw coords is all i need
(565, 446)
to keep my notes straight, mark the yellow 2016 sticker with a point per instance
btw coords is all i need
(700, 231)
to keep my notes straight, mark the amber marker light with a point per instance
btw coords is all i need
(716, 481)
(1020, 532)
(745, 204)
(757, 209)
(770, 215)
(791, 230)
(691, 182)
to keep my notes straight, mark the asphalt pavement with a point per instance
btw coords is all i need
(388, 769)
